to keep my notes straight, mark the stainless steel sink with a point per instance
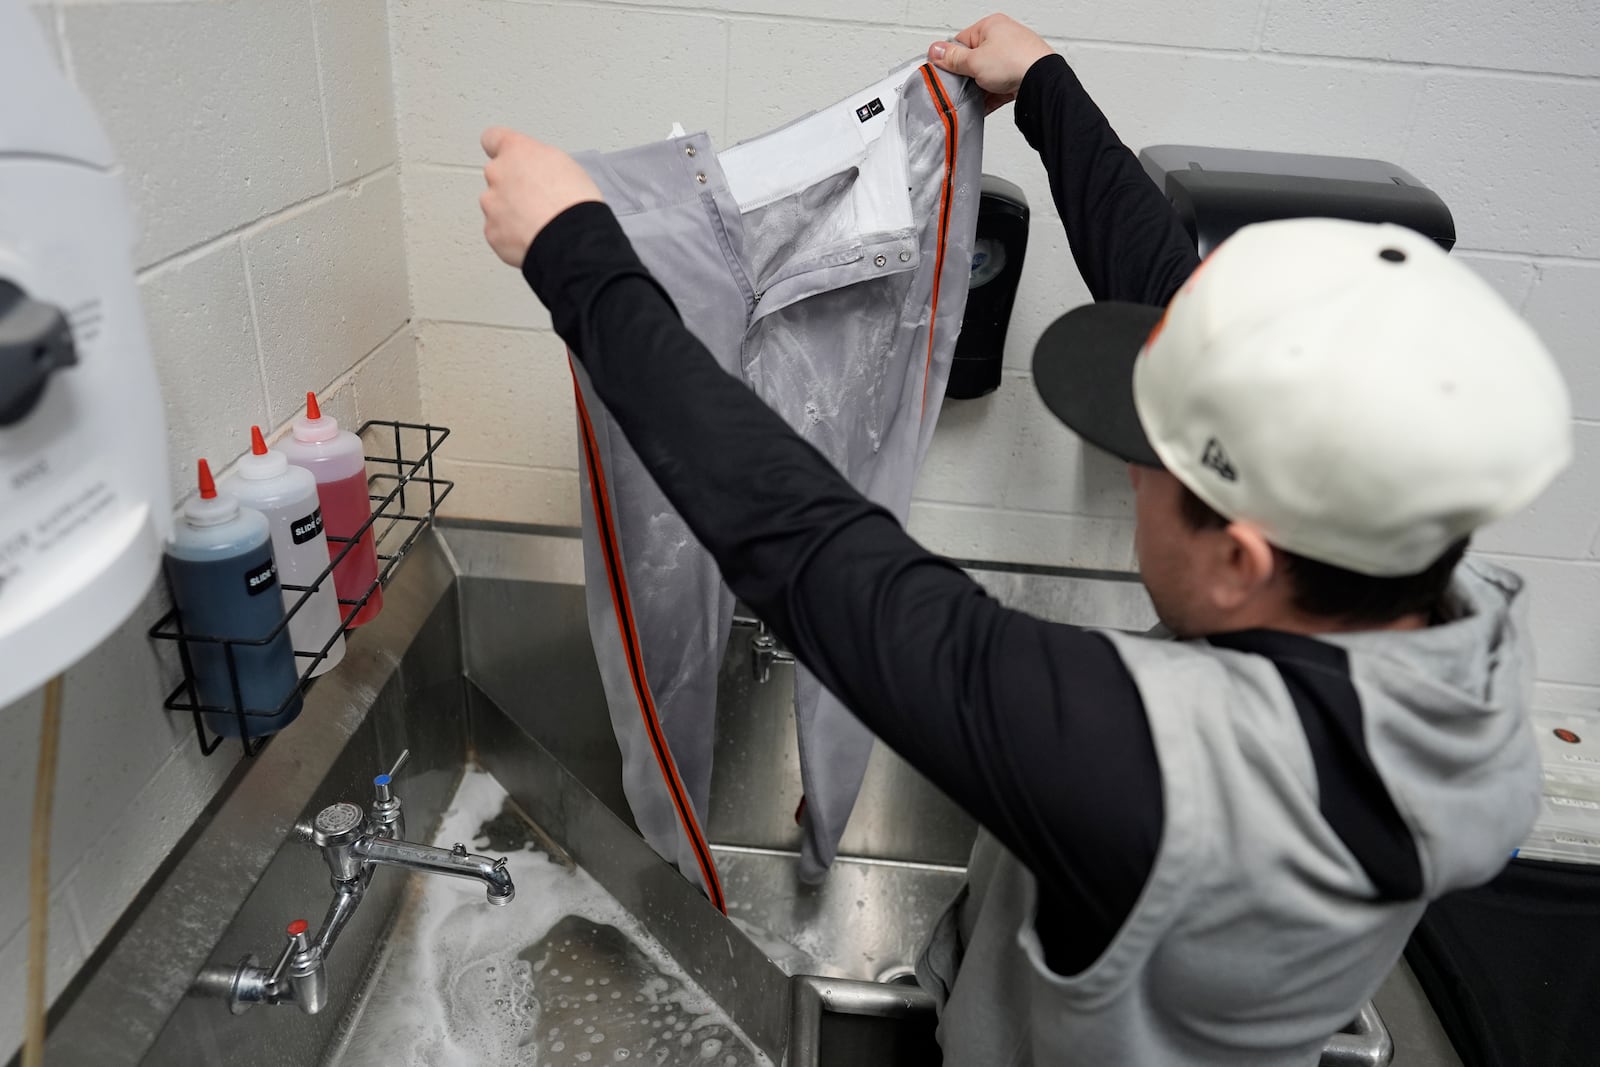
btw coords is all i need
(482, 654)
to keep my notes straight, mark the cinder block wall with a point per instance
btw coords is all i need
(1495, 106)
(257, 140)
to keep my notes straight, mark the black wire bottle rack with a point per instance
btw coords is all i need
(409, 493)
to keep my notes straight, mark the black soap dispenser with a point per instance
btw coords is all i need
(997, 257)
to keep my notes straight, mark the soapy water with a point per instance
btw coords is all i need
(562, 975)
(789, 957)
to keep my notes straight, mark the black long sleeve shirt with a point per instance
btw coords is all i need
(1126, 239)
(1035, 728)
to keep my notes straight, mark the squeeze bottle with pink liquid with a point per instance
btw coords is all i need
(334, 458)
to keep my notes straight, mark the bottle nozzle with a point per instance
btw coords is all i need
(209, 507)
(316, 427)
(258, 444)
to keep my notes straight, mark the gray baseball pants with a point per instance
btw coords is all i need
(824, 264)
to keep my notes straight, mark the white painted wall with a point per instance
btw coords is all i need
(1496, 106)
(257, 136)
(258, 143)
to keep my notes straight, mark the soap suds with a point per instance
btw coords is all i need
(467, 984)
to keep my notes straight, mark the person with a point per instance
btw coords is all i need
(1207, 849)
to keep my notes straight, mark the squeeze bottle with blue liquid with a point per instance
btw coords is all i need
(225, 584)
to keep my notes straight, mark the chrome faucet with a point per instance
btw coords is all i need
(353, 843)
(764, 650)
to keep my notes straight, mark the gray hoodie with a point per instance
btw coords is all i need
(1318, 793)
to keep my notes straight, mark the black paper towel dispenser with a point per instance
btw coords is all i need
(1218, 190)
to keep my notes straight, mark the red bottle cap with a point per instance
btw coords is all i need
(258, 444)
(312, 411)
(208, 487)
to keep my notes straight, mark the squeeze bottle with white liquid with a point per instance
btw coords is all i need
(225, 584)
(287, 495)
(335, 459)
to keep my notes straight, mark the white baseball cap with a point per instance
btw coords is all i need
(1347, 388)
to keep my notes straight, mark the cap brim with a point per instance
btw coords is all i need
(1083, 369)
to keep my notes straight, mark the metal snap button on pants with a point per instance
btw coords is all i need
(824, 264)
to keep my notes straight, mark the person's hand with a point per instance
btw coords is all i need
(994, 52)
(530, 183)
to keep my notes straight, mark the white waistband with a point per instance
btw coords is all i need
(859, 131)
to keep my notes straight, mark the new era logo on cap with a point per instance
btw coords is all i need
(1215, 458)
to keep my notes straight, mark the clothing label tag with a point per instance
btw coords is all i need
(869, 109)
(303, 530)
(261, 577)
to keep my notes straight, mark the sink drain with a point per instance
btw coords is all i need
(901, 975)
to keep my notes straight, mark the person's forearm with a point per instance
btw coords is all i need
(1125, 236)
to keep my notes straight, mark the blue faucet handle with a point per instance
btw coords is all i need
(385, 813)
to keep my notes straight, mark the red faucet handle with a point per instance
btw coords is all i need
(298, 927)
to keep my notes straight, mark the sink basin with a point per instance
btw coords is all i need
(481, 665)
(564, 976)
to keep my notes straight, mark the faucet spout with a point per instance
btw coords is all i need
(457, 862)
